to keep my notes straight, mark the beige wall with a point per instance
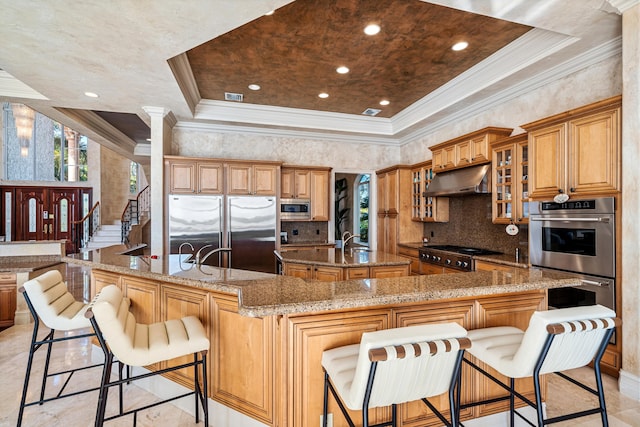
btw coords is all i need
(114, 192)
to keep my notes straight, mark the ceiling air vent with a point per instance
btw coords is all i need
(230, 96)
(371, 112)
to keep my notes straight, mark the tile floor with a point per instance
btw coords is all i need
(80, 410)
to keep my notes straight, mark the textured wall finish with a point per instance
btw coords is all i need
(339, 155)
(115, 185)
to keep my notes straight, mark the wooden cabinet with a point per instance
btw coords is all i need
(427, 268)
(467, 150)
(295, 183)
(491, 266)
(320, 195)
(243, 360)
(301, 182)
(413, 255)
(8, 299)
(394, 195)
(252, 179)
(510, 192)
(189, 176)
(426, 209)
(313, 272)
(577, 152)
(381, 272)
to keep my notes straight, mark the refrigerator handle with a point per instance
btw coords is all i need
(229, 245)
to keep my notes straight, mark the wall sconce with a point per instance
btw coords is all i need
(24, 117)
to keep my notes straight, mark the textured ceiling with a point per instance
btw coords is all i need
(293, 54)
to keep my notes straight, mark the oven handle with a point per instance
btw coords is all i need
(601, 219)
(594, 283)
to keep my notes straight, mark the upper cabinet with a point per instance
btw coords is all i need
(510, 181)
(307, 182)
(467, 150)
(252, 179)
(426, 209)
(577, 152)
(188, 176)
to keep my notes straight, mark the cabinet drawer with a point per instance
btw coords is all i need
(357, 273)
(7, 278)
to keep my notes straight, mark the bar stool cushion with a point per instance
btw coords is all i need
(55, 305)
(514, 353)
(137, 344)
(401, 380)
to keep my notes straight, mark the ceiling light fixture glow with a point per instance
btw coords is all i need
(384, 102)
(323, 95)
(269, 13)
(91, 94)
(460, 46)
(342, 70)
(372, 29)
(254, 87)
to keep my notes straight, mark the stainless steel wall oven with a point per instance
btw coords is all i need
(579, 237)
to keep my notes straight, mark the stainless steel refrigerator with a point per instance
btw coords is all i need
(246, 224)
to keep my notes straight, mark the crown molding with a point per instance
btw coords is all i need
(227, 111)
(11, 87)
(181, 69)
(623, 5)
(330, 135)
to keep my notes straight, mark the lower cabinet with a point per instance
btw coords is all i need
(412, 255)
(426, 268)
(8, 299)
(334, 274)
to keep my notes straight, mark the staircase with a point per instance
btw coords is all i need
(106, 235)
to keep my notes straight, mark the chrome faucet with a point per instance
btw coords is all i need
(197, 257)
(346, 237)
(180, 249)
(214, 251)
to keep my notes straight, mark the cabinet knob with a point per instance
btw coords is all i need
(573, 190)
(560, 190)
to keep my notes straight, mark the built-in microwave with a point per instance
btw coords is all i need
(295, 209)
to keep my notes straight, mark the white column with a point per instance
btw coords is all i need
(629, 381)
(162, 122)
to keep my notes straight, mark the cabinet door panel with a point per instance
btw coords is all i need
(547, 157)
(287, 183)
(240, 179)
(327, 274)
(593, 153)
(308, 337)
(182, 177)
(244, 346)
(319, 195)
(302, 184)
(177, 303)
(210, 178)
(264, 180)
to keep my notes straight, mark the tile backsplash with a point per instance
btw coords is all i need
(470, 225)
(307, 232)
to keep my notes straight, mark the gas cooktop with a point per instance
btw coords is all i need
(462, 250)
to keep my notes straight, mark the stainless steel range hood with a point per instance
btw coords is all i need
(460, 182)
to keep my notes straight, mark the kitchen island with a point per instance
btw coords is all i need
(268, 332)
(331, 264)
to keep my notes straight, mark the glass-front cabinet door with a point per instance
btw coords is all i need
(510, 195)
(426, 209)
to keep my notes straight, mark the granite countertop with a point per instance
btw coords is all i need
(353, 257)
(27, 263)
(305, 244)
(504, 259)
(262, 294)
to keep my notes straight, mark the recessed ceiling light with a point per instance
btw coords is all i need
(323, 95)
(254, 87)
(148, 139)
(269, 13)
(372, 29)
(342, 70)
(384, 102)
(91, 94)
(460, 46)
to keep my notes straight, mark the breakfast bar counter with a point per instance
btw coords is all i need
(268, 332)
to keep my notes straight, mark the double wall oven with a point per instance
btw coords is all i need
(579, 237)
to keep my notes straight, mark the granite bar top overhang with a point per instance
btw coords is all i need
(262, 294)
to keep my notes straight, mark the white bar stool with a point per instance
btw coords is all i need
(137, 344)
(394, 366)
(555, 341)
(50, 301)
